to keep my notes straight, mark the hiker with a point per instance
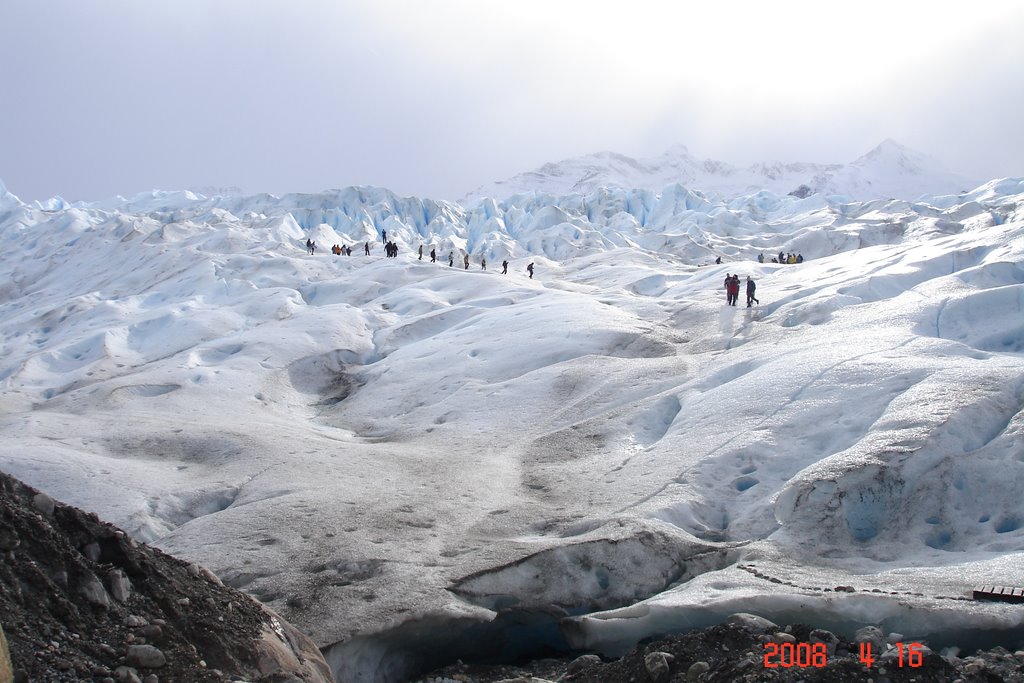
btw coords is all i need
(309, 246)
(384, 236)
(312, 248)
(367, 248)
(504, 267)
(465, 262)
(760, 257)
(718, 260)
(751, 288)
(529, 269)
(799, 258)
(725, 284)
(433, 255)
(483, 263)
(421, 252)
(451, 259)
(732, 290)
(348, 251)
(782, 257)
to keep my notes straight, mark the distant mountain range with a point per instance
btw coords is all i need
(890, 170)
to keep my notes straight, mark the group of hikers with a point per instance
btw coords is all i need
(465, 262)
(391, 251)
(433, 254)
(783, 258)
(732, 290)
(732, 282)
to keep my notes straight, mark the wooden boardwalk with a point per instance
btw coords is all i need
(1000, 593)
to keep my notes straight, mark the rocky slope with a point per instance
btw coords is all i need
(81, 600)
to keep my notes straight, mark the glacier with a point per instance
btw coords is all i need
(414, 462)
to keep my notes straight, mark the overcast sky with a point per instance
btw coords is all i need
(433, 98)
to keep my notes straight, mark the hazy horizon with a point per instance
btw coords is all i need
(436, 99)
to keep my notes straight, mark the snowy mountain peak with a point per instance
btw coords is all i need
(890, 147)
(890, 170)
(894, 156)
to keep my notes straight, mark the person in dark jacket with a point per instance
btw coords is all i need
(529, 269)
(751, 288)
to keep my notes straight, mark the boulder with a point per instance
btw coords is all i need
(120, 585)
(145, 657)
(44, 504)
(657, 665)
(751, 622)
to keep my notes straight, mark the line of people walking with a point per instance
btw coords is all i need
(391, 251)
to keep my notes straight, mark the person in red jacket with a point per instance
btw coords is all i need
(733, 289)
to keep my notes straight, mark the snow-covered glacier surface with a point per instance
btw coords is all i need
(414, 461)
